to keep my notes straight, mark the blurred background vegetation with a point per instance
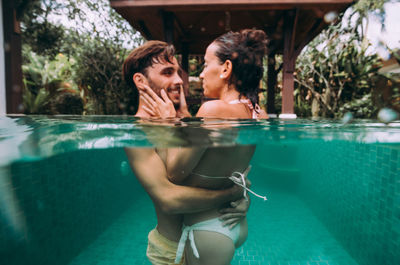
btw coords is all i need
(338, 72)
(76, 69)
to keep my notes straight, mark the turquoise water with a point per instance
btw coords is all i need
(68, 196)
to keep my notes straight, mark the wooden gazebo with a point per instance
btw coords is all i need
(192, 24)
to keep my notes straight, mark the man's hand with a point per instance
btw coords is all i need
(156, 106)
(234, 215)
(238, 210)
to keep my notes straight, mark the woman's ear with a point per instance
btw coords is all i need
(227, 69)
(139, 79)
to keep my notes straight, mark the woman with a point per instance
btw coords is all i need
(232, 72)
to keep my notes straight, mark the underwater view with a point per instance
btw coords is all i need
(69, 196)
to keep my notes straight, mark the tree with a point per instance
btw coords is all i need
(98, 73)
(335, 74)
(98, 48)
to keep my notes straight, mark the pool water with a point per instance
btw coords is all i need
(68, 196)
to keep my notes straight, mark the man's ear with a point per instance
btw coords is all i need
(139, 79)
(227, 69)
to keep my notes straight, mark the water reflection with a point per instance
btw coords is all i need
(11, 215)
(36, 137)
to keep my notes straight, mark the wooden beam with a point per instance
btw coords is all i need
(144, 30)
(168, 26)
(179, 27)
(210, 3)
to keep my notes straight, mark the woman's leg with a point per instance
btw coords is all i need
(214, 249)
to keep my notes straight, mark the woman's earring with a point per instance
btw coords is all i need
(221, 76)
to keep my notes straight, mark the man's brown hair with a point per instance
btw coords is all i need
(144, 56)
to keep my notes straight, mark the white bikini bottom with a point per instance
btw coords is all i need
(213, 225)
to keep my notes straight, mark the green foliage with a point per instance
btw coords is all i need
(43, 79)
(93, 51)
(195, 68)
(338, 73)
(36, 103)
(43, 37)
(335, 74)
(98, 71)
(390, 81)
(360, 107)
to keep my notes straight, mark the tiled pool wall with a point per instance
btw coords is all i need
(354, 189)
(65, 202)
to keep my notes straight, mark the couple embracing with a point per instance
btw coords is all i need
(199, 193)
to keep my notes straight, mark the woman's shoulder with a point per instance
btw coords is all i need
(212, 108)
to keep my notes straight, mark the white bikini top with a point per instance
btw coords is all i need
(239, 179)
(254, 110)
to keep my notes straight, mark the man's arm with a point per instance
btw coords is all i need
(174, 199)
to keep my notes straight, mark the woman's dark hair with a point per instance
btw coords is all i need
(246, 50)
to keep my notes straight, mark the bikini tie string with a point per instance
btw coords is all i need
(240, 181)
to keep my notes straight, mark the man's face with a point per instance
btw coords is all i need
(165, 75)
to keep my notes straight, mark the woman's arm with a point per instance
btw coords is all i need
(181, 161)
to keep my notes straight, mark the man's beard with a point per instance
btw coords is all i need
(157, 90)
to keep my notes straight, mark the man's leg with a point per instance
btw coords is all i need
(161, 250)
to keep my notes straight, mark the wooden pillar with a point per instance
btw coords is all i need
(2, 66)
(185, 57)
(185, 66)
(288, 85)
(271, 86)
(12, 58)
(168, 26)
(289, 61)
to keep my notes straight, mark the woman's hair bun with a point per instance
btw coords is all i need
(255, 40)
(246, 50)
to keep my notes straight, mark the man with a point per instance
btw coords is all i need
(153, 64)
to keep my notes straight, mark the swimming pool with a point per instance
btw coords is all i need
(68, 196)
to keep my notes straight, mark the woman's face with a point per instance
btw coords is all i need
(212, 82)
